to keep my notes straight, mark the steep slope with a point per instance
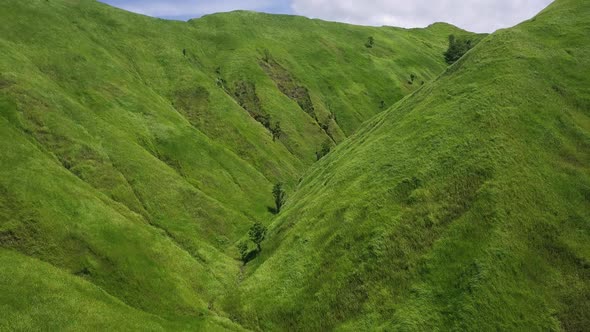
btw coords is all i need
(136, 152)
(466, 206)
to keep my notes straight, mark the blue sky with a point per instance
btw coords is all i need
(473, 15)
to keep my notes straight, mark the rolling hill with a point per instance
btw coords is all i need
(136, 153)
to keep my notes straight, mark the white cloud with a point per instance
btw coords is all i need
(473, 15)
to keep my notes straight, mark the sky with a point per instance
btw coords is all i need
(472, 15)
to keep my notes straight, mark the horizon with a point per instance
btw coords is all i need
(482, 16)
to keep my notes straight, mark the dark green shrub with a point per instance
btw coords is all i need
(276, 131)
(457, 48)
(257, 234)
(370, 42)
(279, 195)
(323, 151)
(243, 250)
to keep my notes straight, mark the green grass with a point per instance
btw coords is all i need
(463, 207)
(129, 171)
(46, 298)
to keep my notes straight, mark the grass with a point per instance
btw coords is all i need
(68, 303)
(130, 170)
(135, 157)
(462, 207)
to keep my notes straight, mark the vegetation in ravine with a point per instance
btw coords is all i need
(257, 233)
(278, 192)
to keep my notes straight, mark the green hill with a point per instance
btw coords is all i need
(464, 207)
(136, 152)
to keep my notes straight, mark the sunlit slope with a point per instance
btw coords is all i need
(464, 207)
(131, 160)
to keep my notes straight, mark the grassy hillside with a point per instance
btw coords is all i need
(46, 298)
(136, 152)
(466, 206)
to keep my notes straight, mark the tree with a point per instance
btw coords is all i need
(243, 250)
(257, 234)
(279, 194)
(276, 131)
(452, 40)
(457, 48)
(370, 42)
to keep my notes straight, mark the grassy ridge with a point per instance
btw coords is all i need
(465, 205)
(129, 166)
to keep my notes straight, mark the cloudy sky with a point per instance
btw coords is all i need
(473, 15)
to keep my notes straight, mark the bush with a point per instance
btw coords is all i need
(276, 131)
(257, 234)
(263, 119)
(370, 42)
(324, 150)
(243, 250)
(457, 48)
(279, 195)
